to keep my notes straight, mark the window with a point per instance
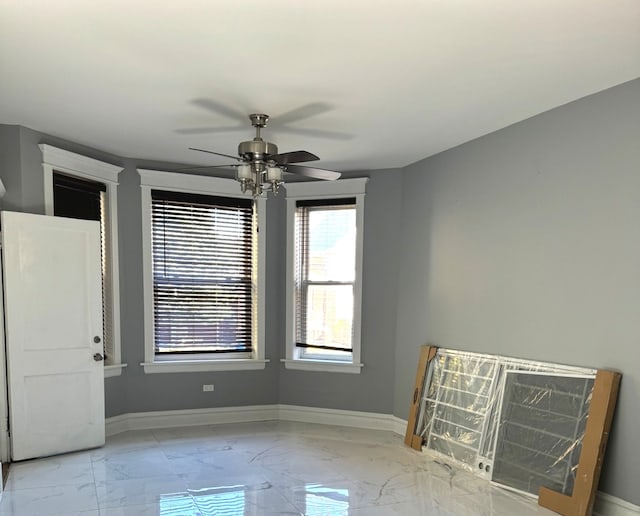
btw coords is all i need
(324, 268)
(203, 273)
(325, 245)
(203, 301)
(80, 187)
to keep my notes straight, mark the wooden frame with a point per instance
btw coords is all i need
(603, 402)
(427, 354)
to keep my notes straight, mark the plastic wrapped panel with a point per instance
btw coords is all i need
(540, 431)
(457, 401)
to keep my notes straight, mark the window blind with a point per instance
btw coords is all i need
(325, 274)
(77, 198)
(203, 273)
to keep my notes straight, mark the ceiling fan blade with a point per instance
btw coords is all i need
(320, 133)
(216, 153)
(306, 111)
(204, 167)
(294, 157)
(208, 130)
(221, 109)
(316, 173)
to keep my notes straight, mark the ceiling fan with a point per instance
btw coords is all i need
(259, 166)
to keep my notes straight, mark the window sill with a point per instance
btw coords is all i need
(189, 366)
(113, 370)
(322, 365)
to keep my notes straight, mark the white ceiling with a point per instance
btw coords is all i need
(403, 78)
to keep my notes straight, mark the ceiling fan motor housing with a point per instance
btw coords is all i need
(257, 149)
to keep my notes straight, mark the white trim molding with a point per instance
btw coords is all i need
(344, 188)
(113, 370)
(339, 188)
(607, 505)
(76, 163)
(326, 366)
(255, 413)
(399, 425)
(324, 416)
(5, 442)
(194, 417)
(189, 366)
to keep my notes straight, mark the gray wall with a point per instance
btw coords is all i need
(134, 391)
(526, 243)
(372, 389)
(10, 167)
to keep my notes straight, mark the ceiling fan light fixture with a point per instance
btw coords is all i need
(244, 172)
(274, 174)
(246, 176)
(274, 177)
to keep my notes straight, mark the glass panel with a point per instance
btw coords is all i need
(540, 431)
(203, 272)
(329, 315)
(458, 399)
(331, 251)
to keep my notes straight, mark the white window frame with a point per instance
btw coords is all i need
(59, 160)
(157, 180)
(324, 190)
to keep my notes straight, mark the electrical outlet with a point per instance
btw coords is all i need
(207, 388)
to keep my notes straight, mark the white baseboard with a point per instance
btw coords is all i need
(194, 417)
(352, 418)
(606, 505)
(213, 416)
(399, 425)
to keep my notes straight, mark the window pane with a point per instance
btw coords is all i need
(328, 316)
(331, 244)
(210, 317)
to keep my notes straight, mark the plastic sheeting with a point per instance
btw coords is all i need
(519, 423)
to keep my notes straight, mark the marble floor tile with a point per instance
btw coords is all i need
(138, 463)
(49, 472)
(139, 491)
(253, 469)
(48, 501)
(184, 434)
(170, 506)
(125, 442)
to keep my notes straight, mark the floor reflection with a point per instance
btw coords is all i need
(322, 499)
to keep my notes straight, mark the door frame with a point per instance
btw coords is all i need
(5, 455)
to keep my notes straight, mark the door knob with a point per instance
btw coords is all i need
(96, 339)
(98, 357)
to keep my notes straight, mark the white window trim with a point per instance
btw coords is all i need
(324, 190)
(155, 179)
(55, 159)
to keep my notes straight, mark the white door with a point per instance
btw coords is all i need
(53, 320)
